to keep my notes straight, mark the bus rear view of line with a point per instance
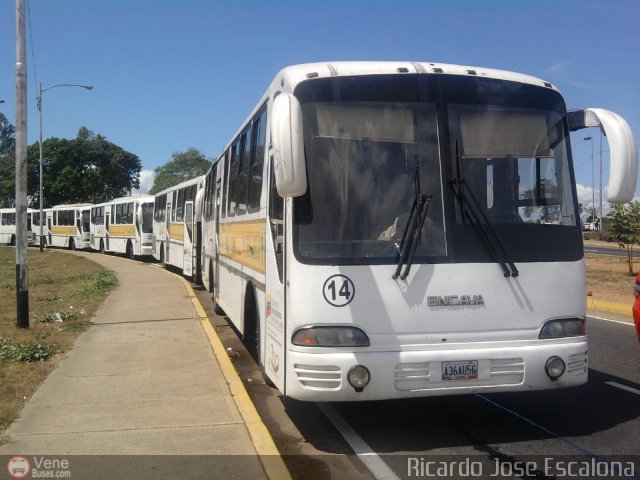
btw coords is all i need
(8, 226)
(176, 225)
(123, 225)
(67, 226)
(417, 232)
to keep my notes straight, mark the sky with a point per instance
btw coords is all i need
(173, 74)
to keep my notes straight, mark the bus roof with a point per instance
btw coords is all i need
(191, 181)
(69, 205)
(289, 77)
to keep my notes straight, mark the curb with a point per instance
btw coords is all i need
(602, 305)
(270, 457)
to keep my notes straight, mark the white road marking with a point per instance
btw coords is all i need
(623, 387)
(610, 320)
(373, 462)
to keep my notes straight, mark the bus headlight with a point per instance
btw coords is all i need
(330, 337)
(566, 327)
(554, 367)
(358, 377)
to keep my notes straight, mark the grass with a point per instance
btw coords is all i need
(64, 293)
(608, 278)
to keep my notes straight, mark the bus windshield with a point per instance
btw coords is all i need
(373, 144)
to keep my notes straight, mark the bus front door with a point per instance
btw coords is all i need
(275, 336)
(189, 239)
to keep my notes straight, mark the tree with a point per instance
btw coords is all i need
(624, 227)
(7, 162)
(87, 169)
(7, 137)
(182, 166)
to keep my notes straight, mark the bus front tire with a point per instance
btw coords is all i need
(253, 338)
(72, 244)
(101, 246)
(129, 252)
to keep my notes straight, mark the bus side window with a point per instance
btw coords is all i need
(233, 178)
(179, 205)
(257, 161)
(225, 179)
(243, 169)
(118, 218)
(174, 205)
(207, 184)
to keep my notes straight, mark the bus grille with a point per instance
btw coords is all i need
(323, 377)
(417, 376)
(577, 364)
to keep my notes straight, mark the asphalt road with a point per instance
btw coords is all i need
(609, 251)
(523, 435)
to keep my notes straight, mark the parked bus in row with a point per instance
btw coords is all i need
(123, 225)
(67, 226)
(8, 226)
(176, 225)
(382, 230)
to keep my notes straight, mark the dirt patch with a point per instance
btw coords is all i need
(608, 278)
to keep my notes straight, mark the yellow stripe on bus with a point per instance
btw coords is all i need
(122, 230)
(244, 242)
(63, 230)
(176, 231)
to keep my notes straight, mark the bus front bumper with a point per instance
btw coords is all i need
(419, 373)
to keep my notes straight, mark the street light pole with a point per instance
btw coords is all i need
(40, 92)
(593, 183)
(601, 213)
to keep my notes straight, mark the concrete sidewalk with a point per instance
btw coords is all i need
(144, 380)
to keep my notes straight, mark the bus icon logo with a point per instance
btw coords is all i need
(18, 467)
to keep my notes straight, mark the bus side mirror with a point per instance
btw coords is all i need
(288, 147)
(623, 164)
(139, 215)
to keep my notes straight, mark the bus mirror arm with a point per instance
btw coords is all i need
(287, 146)
(623, 170)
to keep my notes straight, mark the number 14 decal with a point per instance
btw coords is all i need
(339, 290)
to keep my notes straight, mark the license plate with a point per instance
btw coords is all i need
(464, 370)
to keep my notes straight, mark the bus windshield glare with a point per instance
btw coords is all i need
(374, 144)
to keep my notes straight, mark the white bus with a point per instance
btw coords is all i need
(34, 216)
(67, 226)
(411, 229)
(8, 226)
(176, 225)
(123, 225)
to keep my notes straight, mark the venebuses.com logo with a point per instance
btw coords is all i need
(18, 467)
(38, 467)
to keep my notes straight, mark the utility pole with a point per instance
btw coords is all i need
(41, 214)
(22, 281)
(593, 183)
(601, 213)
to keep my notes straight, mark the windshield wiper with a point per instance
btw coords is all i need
(476, 214)
(413, 229)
